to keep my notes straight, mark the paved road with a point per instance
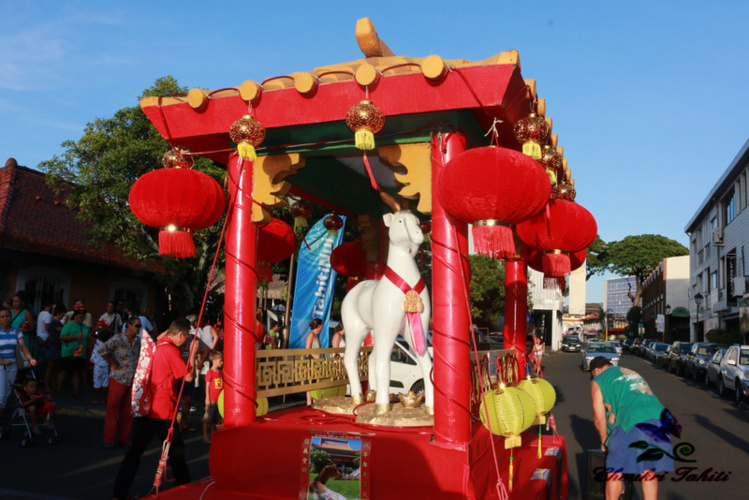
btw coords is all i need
(716, 427)
(80, 468)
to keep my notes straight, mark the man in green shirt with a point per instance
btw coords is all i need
(625, 411)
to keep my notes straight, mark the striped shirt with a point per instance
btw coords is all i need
(8, 342)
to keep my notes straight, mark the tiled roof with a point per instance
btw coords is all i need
(34, 220)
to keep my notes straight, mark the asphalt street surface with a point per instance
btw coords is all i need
(79, 467)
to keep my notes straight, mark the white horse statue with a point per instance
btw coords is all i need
(397, 304)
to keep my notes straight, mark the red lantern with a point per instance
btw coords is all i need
(365, 120)
(535, 262)
(178, 201)
(350, 259)
(247, 133)
(332, 223)
(564, 228)
(493, 188)
(531, 132)
(276, 242)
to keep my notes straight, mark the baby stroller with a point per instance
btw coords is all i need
(20, 418)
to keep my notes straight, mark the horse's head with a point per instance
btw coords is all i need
(404, 231)
(330, 471)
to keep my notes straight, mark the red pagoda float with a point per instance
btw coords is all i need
(335, 136)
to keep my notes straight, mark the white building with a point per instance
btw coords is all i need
(718, 247)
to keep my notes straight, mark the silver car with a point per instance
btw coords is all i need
(713, 367)
(734, 372)
(594, 349)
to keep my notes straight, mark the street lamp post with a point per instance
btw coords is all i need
(666, 322)
(698, 302)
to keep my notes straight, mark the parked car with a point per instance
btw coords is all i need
(571, 343)
(594, 349)
(713, 367)
(734, 372)
(656, 348)
(677, 358)
(661, 359)
(645, 347)
(696, 360)
(636, 346)
(627, 344)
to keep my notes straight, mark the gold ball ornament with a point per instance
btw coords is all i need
(543, 395)
(551, 160)
(175, 158)
(507, 411)
(247, 133)
(365, 119)
(532, 131)
(567, 192)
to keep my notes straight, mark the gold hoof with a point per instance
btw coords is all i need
(429, 410)
(382, 409)
(357, 400)
(371, 395)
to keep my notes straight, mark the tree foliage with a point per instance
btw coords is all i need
(487, 290)
(99, 169)
(638, 255)
(594, 263)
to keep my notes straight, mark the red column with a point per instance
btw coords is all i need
(516, 308)
(452, 419)
(240, 299)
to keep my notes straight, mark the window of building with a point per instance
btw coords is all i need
(44, 285)
(714, 280)
(729, 206)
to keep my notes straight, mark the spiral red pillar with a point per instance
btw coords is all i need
(452, 386)
(240, 299)
(516, 309)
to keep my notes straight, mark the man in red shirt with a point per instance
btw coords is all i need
(167, 365)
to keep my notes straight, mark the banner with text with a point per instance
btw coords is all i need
(313, 291)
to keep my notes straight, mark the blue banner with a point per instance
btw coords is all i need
(315, 279)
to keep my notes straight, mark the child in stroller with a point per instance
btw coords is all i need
(31, 405)
(36, 404)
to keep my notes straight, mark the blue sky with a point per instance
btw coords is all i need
(649, 99)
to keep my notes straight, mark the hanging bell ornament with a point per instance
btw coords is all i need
(551, 160)
(175, 158)
(365, 120)
(333, 223)
(247, 133)
(532, 131)
(301, 210)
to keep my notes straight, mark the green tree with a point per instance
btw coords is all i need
(594, 263)
(487, 290)
(97, 172)
(319, 459)
(638, 255)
